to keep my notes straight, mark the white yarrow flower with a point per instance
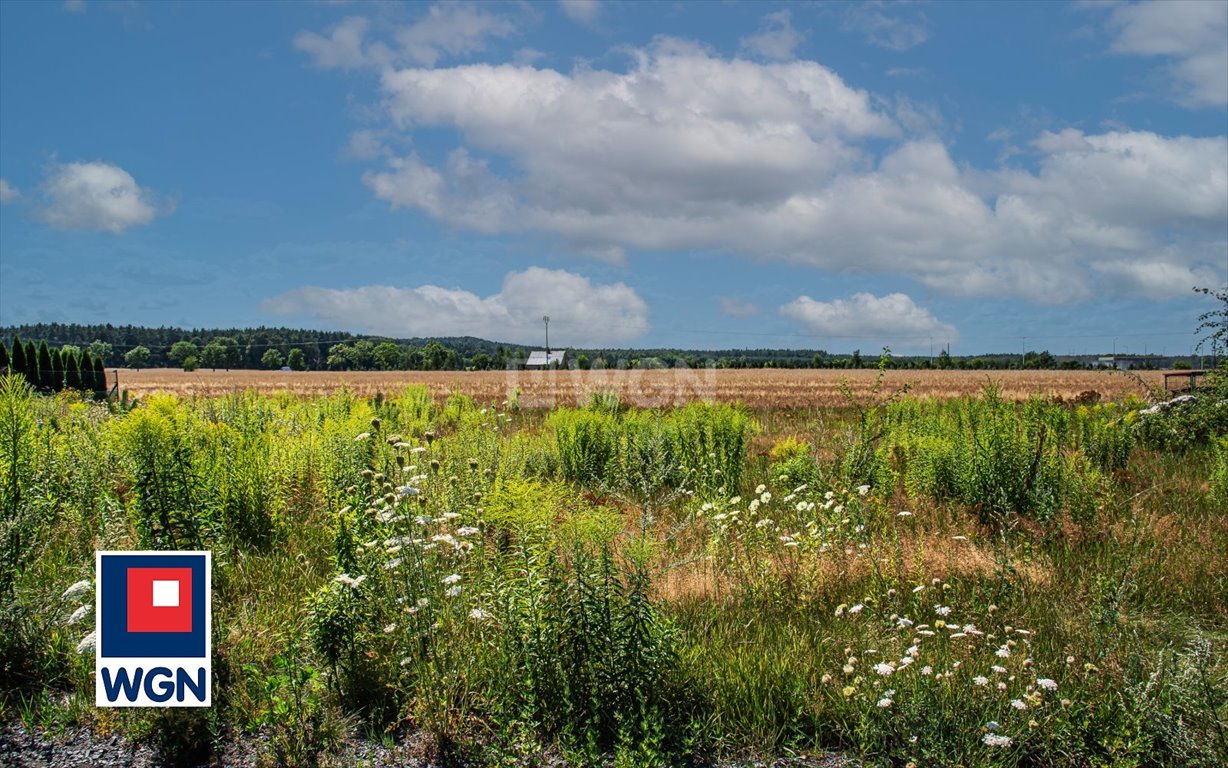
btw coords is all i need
(76, 589)
(88, 643)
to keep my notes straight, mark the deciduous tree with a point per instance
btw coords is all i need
(182, 350)
(101, 350)
(387, 356)
(272, 359)
(137, 357)
(1213, 324)
(296, 360)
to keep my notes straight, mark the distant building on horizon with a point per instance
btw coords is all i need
(540, 358)
(1130, 362)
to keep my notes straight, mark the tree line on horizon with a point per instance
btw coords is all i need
(49, 369)
(300, 350)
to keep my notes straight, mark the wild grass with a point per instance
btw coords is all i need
(973, 581)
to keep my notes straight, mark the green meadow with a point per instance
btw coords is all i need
(900, 581)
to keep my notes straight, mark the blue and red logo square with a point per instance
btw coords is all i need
(152, 604)
(153, 623)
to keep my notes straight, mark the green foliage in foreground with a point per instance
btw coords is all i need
(974, 582)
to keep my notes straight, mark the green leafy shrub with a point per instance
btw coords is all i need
(1184, 424)
(701, 445)
(170, 500)
(1106, 435)
(586, 443)
(995, 456)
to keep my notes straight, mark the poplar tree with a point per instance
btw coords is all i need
(100, 378)
(31, 363)
(72, 373)
(4, 358)
(18, 363)
(46, 371)
(58, 369)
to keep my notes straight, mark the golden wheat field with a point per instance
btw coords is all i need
(757, 388)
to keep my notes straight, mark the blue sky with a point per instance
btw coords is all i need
(701, 175)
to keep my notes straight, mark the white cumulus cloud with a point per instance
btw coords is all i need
(685, 150)
(581, 313)
(1159, 279)
(890, 319)
(776, 38)
(895, 28)
(581, 11)
(342, 48)
(8, 193)
(95, 196)
(446, 30)
(737, 307)
(1192, 34)
(649, 154)
(451, 29)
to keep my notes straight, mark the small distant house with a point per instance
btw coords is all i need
(1124, 363)
(540, 359)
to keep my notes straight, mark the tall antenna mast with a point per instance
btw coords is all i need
(546, 320)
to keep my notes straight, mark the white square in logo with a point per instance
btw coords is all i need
(165, 594)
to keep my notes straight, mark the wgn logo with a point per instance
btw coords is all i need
(153, 629)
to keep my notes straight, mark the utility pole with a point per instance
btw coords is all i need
(1023, 353)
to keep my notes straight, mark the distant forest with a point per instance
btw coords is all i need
(136, 346)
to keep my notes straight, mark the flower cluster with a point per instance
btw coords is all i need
(922, 644)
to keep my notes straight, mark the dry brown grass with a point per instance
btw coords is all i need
(759, 388)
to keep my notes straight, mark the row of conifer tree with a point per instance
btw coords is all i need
(52, 370)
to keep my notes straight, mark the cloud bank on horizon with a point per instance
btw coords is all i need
(628, 163)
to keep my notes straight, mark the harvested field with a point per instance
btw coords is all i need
(758, 388)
